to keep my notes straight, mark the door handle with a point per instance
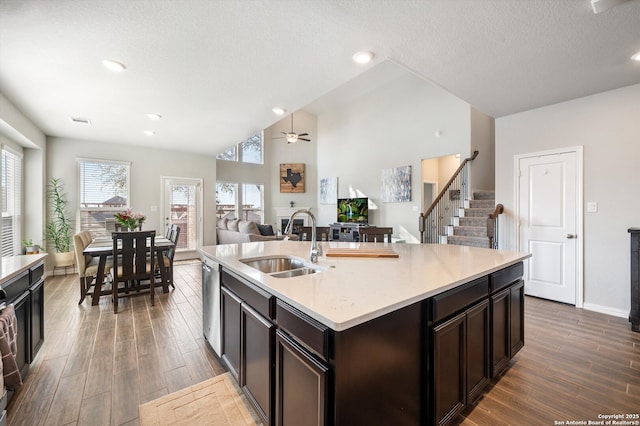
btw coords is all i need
(571, 236)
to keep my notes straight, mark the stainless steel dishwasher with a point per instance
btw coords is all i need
(211, 303)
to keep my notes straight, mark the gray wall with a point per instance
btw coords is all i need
(607, 126)
(147, 168)
(392, 126)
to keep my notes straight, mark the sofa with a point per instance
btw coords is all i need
(243, 231)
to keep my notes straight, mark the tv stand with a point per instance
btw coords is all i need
(345, 231)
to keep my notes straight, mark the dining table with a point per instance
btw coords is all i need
(102, 247)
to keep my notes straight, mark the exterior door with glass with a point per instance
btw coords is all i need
(182, 207)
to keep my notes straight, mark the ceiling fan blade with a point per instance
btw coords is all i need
(303, 134)
(279, 137)
(303, 139)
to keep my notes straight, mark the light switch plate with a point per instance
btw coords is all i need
(592, 207)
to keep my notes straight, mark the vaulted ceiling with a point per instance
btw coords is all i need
(214, 69)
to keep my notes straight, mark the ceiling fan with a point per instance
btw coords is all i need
(293, 137)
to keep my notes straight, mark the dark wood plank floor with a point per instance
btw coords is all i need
(96, 367)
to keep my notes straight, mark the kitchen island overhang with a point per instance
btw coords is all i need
(351, 291)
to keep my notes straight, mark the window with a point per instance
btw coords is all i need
(11, 202)
(247, 151)
(226, 200)
(252, 202)
(228, 196)
(104, 191)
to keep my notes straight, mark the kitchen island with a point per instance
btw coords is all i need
(407, 340)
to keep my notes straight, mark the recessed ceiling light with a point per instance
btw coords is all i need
(278, 110)
(114, 65)
(153, 116)
(636, 57)
(149, 132)
(363, 57)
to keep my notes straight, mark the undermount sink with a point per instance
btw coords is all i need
(281, 266)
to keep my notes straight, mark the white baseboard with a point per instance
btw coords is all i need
(606, 310)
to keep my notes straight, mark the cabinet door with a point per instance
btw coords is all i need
(23, 312)
(301, 385)
(500, 345)
(37, 318)
(516, 304)
(256, 371)
(230, 307)
(449, 369)
(478, 371)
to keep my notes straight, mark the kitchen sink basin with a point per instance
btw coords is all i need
(281, 266)
(295, 272)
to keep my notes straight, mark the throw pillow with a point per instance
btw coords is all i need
(232, 225)
(266, 230)
(222, 223)
(248, 227)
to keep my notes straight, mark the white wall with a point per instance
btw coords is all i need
(20, 132)
(391, 127)
(147, 167)
(607, 125)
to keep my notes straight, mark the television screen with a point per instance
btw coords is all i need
(353, 210)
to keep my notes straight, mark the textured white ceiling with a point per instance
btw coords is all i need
(214, 68)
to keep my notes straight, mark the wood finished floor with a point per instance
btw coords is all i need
(96, 367)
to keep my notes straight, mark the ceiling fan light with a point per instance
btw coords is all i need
(278, 110)
(363, 57)
(292, 138)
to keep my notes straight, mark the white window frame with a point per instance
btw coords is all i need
(81, 210)
(14, 204)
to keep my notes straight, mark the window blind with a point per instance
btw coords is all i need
(11, 203)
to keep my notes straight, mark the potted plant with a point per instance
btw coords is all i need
(58, 231)
(29, 247)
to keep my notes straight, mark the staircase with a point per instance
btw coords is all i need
(469, 227)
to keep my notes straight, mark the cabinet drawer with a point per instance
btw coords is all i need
(36, 273)
(504, 277)
(258, 299)
(457, 299)
(16, 286)
(305, 329)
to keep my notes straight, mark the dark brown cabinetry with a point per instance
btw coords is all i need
(248, 337)
(256, 363)
(301, 385)
(460, 349)
(230, 332)
(507, 316)
(26, 292)
(421, 364)
(634, 312)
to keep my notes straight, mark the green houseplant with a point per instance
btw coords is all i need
(58, 231)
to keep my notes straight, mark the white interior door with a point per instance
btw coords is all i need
(549, 222)
(182, 206)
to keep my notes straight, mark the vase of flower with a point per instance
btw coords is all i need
(129, 220)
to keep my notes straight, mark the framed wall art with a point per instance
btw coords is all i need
(328, 190)
(292, 177)
(396, 185)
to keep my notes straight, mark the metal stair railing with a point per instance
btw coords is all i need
(433, 222)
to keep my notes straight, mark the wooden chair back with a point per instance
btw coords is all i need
(133, 261)
(375, 234)
(305, 233)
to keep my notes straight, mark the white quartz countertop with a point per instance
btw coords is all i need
(12, 266)
(352, 290)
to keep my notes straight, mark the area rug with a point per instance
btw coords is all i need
(216, 402)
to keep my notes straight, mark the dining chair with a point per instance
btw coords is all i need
(375, 234)
(132, 266)
(87, 265)
(173, 235)
(322, 233)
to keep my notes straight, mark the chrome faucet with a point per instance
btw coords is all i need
(316, 250)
